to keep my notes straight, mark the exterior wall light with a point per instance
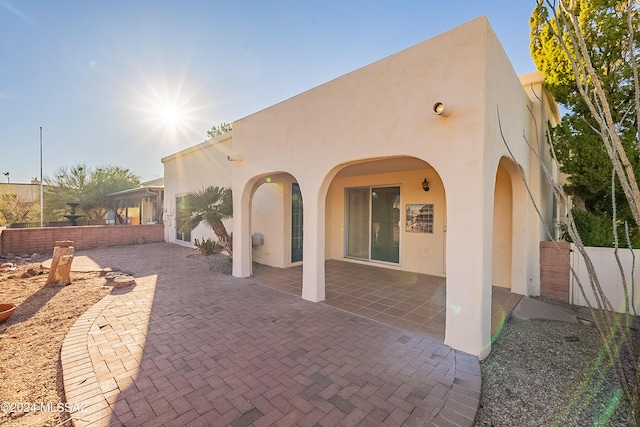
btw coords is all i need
(439, 109)
(425, 185)
(234, 158)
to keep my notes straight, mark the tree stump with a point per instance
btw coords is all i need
(61, 264)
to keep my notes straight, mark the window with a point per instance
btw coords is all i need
(180, 207)
(296, 223)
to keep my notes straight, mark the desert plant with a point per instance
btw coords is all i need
(208, 247)
(209, 206)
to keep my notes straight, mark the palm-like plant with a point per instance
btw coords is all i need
(209, 206)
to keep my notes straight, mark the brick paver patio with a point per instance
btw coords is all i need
(189, 347)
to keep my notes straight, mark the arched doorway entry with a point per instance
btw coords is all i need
(508, 260)
(378, 212)
(277, 220)
(502, 228)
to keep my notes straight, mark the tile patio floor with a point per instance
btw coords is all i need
(411, 301)
(189, 347)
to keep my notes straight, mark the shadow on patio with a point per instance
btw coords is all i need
(188, 347)
(412, 301)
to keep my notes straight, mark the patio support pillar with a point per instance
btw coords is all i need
(242, 230)
(469, 254)
(313, 285)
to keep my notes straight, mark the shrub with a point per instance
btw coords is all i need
(208, 247)
(593, 229)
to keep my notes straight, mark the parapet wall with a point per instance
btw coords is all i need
(31, 240)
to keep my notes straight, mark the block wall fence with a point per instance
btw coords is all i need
(32, 240)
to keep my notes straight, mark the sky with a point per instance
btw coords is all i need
(125, 83)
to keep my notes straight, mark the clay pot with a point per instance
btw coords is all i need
(6, 310)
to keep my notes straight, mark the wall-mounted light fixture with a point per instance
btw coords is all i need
(234, 157)
(439, 109)
(425, 185)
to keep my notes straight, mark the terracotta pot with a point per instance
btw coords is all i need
(6, 310)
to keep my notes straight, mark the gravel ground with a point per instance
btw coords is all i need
(547, 373)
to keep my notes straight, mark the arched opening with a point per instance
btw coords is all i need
(509, 243)
(276, 220)
(378, 212)
(502, 228)
(385, 233)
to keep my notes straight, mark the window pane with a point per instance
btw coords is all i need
(385, 224)
(358, 222)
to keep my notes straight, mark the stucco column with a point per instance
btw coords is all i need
(242, 230)
(313, 245)
(469, 250)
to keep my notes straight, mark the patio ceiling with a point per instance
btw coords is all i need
(373, 167)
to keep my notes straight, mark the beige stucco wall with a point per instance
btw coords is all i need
(375, 126)
(194, 169)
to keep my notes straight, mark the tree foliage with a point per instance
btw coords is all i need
(577, 140)
(219, 130)
(209, 206)
(86, 186)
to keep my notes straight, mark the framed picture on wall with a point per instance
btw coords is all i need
(419, 219)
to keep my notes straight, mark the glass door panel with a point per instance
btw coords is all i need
(296, 223)
(358, 218)
(180, 207)
(385, 224)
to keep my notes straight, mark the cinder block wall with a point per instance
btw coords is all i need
(554, 270)
(31, 240)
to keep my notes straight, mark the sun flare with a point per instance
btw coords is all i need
(172, 116)
(168, 110)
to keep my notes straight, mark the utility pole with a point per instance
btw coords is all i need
(41, 192)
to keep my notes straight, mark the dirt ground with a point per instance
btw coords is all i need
(30, 341)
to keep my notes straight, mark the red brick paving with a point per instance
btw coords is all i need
(190, 347)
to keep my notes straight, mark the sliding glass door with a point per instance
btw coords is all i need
(373, 223)
(358, 223)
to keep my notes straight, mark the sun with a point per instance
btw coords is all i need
(172, 116)
(167, 108)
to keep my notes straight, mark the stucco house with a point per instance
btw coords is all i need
(359, 153)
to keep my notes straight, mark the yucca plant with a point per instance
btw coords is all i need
(209, 206)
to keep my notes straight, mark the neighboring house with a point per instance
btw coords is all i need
(19, 200)
(140, 205)
(356, 152)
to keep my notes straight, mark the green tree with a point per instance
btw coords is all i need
(209, 206)
(577, 140)
(219, 130)
(86, 186)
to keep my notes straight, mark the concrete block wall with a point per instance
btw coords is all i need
(31, 240)
(555, 270)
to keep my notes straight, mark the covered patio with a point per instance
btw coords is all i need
(411, 301)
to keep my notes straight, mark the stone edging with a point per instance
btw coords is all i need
(463, 400)
(81, 386)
